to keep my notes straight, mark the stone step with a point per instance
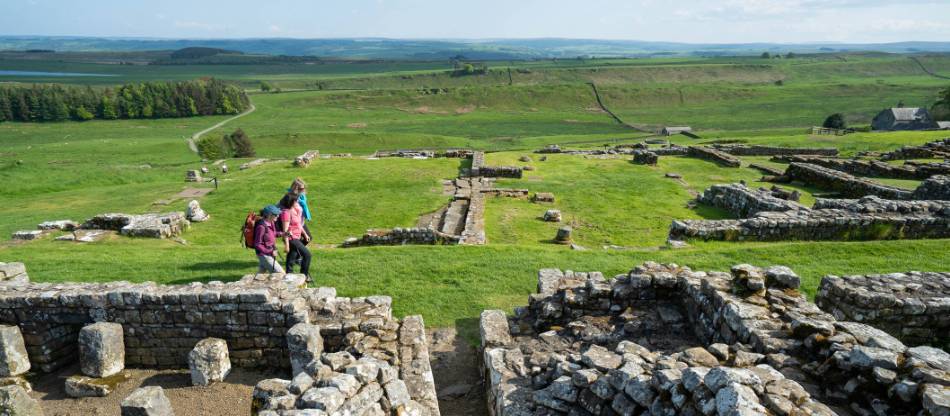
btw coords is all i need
(453, 222)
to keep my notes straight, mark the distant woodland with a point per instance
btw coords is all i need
(52, 102)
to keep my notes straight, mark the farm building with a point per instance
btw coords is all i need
(903, 118)
(669, 131)
(943, 125)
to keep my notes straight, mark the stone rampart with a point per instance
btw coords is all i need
(758, 150)
(713, 155)
(589, 345)
(744, 202)
(847, 185)
(914, 306)
(480, 169)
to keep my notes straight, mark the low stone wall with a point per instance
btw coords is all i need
(935, 187)
(588, 345)
(934, 149)
(400, 236)
(713, 155)
(162, 323)
(670, 151)
(145, 225)
(480, 169)
(869, 218)
(744, 202)
(474, 231)
(847, 185)
(914, 306)
(859, 167)
(757, 150)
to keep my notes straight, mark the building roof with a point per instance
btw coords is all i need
(943, 125)
(908, 113)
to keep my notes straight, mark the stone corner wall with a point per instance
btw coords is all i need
(913, 306)
(744, 202)
(713, 155)
(847, 185)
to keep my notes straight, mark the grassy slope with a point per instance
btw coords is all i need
(73, 170)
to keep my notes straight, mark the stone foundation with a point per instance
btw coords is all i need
(934, 149)
(588, 345)
(145, 225)
(757, 150)
(744, 202)
(479, 169)
(914, 306)
(862, 167)
(869, 218)
(644, 157)
(846, 185)
(401, 236)
(935, 187)
(162, 324)
(713, 155)
(305, 159)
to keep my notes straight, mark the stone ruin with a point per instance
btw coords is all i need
(305, 159)
(252, 164)
(914, 307)
(909, 170)
(479, 169)
(193, 176)
(644, 157)
(425, 153)
(667, 340)
(935, 149)
(758, 150)
(145, 225)
(935, 187)
(343, 355)
(763, 217)
(195, 213)
(868, 218)
(713, 155)
(846, 185)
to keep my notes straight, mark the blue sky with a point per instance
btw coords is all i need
(696, 21)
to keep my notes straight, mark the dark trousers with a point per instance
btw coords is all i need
(298, 250)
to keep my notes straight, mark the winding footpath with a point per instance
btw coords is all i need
(194, 138)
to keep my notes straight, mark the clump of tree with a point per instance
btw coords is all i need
(236, 144)
(835, 121)
(54, 102)
(941, 109)
(765, 55)
(469, 69)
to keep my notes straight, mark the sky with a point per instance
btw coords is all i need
(691, 21)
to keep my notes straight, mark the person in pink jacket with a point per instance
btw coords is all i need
(295, 238)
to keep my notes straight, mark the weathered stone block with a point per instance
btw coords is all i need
(15, 401)
(147, 401)
(13, 357)
(304, 344)
(101, 349)
(209, 361)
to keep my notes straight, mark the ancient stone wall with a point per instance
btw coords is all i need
(935, 188)
(713, 155)
(847, 185)
(145, 225)
(401, 236)
(584, 345)
(480, 169)
(860, 167)
(161, 324)
(305, 159)
(670, 151)
(758, 150)
(644, 157)
(914, 306)
(934, 149)
(744, 202)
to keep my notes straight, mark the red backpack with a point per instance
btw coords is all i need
(247, 232)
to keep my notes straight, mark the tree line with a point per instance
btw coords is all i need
(55, 102)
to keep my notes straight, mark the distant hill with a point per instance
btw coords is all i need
(196, 52)
(435, 49)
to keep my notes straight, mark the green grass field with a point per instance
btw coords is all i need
(76, 170)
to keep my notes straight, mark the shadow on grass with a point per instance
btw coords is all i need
(468, 329)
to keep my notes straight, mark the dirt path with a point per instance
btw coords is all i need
(194, 138)
(457, 380)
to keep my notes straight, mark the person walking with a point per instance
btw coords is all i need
(295, 239)
(265, 241)
(299, 187)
